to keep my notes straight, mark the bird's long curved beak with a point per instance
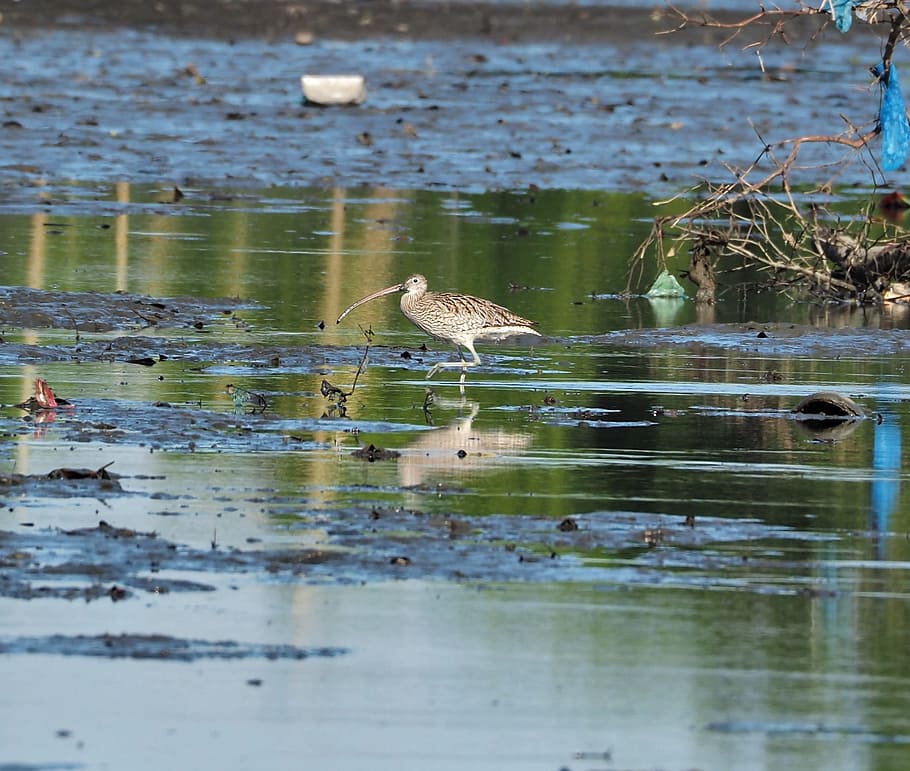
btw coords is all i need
(380, 293)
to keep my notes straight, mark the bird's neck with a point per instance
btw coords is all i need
(409, 301)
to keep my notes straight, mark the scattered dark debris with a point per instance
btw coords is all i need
(373, 453)
(663, 412)
(81, 473)
(108, 481)
(44, 399)
(118, 593)
(295, 560)
(109, 531)
(653, 536)
(335, 394)
(24, 307)
(331, 392)
(248, 401)
(817, 592)
(605, 755)
(568, 525)
(400, 561)
(456, 528)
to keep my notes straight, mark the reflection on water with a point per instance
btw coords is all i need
(458, 448)
(685, 479)
(304, 253)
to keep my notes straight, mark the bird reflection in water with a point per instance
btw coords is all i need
(458, 447)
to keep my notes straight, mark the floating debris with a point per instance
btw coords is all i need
(81, 473)
(245, 400)
(329, 90)
(44, 398)
(829, 404)
(373, 453)
(666, 285)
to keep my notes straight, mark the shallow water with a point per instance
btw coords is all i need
(641, 559)
(618, 549)
(517, 676)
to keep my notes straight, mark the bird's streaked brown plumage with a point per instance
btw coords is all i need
(459, 318)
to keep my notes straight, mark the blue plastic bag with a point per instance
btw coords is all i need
(842, 11)
(892, 120)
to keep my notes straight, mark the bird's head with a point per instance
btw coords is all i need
(415, 284)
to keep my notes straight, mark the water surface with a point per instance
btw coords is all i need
(617, 548)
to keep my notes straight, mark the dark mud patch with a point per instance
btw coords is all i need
(26, 308)
(769, 339)
(40, 766)
(113, 562)
(62, 483)
(503, 22)
(163, 426)
(158, 648)
(109, 562)
(797, 729)
(148, 351)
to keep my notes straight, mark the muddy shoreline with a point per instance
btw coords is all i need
(279, 19)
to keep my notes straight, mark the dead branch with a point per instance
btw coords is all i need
(760, 220)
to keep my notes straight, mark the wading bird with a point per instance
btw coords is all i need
(459, 318)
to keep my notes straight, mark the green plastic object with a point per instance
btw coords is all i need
(666, 285)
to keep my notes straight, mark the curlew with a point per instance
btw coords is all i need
(459, 318)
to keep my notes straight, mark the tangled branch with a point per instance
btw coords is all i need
(757, 223)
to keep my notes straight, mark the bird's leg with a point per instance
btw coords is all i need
(462, 364)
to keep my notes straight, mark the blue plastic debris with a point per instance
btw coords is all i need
(842, 11)
(892, 119)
